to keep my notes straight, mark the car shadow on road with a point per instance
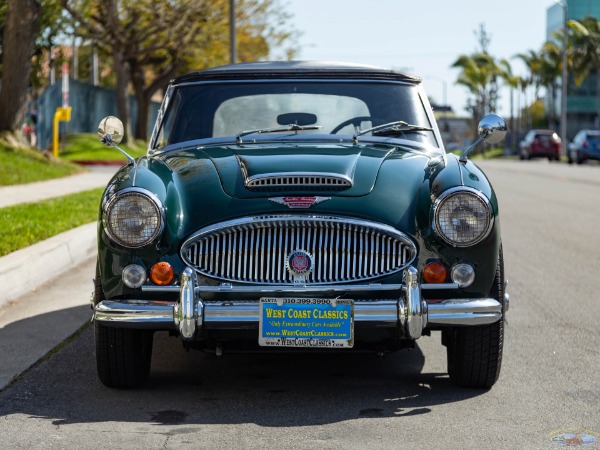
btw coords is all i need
(193, 388)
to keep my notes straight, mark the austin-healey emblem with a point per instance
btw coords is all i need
(299, 202)
(300, 265)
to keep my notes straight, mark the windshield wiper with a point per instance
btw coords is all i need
(397, 127)
(291, 127)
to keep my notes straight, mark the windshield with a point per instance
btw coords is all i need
(213, 110)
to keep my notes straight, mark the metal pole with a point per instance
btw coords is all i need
(565, 75)
(75, 59)
(95, 80)
(232, 39)
(445, 100)
(444, 115)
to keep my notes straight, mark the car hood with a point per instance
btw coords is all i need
(342, 169)
(204, 186)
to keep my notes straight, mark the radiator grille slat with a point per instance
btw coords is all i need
(255, 250)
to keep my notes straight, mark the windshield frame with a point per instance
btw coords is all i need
(295, 137)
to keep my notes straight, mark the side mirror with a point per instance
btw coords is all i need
(492, 129)
(110, 131)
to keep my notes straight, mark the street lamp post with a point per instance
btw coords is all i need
(444, 100)
(563, 94)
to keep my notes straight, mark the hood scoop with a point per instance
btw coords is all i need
(298, 181)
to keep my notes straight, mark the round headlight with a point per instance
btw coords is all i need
(462, 217)
(133, 219)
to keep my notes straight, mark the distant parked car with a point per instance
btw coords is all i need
(586, 145)
(540, 143)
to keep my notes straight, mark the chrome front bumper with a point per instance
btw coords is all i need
(188, 316)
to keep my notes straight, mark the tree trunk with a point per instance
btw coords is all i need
(22, 24)
(143, 106)
(121, 68)
(143, 94)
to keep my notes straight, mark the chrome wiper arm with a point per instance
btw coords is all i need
(291, 127)
(398, 126)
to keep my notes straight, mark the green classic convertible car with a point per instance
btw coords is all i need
(299, 206)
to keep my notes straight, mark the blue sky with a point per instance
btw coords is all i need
(420, 36)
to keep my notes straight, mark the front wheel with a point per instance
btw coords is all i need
(123, 355)
(475, 353)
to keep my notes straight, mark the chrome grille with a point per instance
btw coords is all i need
(300, 180)
(255, 250)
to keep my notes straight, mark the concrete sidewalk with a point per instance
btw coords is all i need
(42, 190)
(28, 268)
(46, 287)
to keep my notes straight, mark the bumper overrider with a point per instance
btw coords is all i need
(410, 312)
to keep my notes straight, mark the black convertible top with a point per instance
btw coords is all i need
(295, 70)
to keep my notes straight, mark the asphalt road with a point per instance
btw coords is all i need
(549, 382)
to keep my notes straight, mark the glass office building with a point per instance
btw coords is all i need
(581, 100)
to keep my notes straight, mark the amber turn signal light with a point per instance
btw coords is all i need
(435, 272)
(161, 273)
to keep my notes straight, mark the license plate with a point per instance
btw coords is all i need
(306, 322)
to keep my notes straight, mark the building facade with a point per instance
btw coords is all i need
(581, 100)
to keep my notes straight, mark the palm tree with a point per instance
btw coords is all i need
(585, 53)
(512, 81)
(479, 73)
(533, 62)
(550, 71)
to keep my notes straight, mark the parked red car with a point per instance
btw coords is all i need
(541, 143)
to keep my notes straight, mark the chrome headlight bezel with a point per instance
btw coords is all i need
(147, 196)
(486, 211)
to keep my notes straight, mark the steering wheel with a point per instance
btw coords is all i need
(354, 121)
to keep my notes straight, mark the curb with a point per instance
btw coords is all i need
(116, 163)
(25, 270)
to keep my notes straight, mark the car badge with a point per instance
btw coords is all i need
(299, 264)
(299, 202)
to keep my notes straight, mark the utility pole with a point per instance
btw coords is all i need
(232, 39)
(565, 79)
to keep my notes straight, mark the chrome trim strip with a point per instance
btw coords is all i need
(472, 311)
(289, 289)
(439, 286)
(454, 191)
(296, 289)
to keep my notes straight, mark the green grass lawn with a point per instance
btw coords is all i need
(26, 224)
(87, 147)
(19, 165)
